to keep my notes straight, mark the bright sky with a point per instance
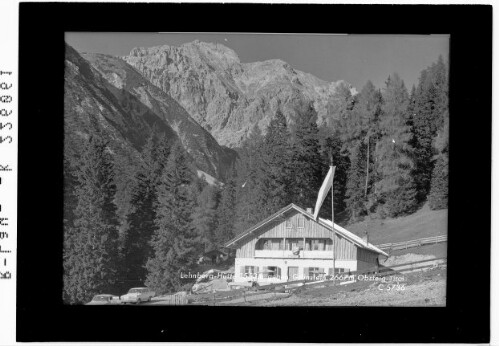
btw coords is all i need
(353, 58)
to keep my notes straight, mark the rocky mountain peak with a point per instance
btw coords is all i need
(227, 97)
(215, 53)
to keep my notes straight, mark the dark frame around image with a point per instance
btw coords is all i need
(41, 314)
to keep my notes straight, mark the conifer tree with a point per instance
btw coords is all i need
(395, 187)
(438, 197)
(305, 173)
(248, 209)
(70, 200)
(339, 105)
(369, 106)
(70, 203)
(90, 249)
(205, 216)
(175, 242)
(274, 171)
(226, 212)
(141, 219)
(411, 108)
(360, 134)
(355, 197)
(431, 103)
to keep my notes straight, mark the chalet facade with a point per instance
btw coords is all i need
(290, 245)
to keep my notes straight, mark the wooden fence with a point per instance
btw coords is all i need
(412, 243)
(174, 299)
(226, 296)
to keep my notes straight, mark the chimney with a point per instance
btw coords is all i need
(366, 237)
(309, 210)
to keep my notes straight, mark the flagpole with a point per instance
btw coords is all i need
(323, 191)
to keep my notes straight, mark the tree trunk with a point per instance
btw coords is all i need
(367, 167)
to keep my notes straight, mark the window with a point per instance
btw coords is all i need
(248, 270)
(294, 244)
(321, 245)
(301, 221)
(271, 244)
(276, 244)
(329, 245)
(337, 271)
(289, 223)
(314, 273)
(315, 244)
(267, 244)
(251, 269)
(308, 244)
(271, 272)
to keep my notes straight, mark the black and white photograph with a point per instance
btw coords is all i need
(255, 169)
(250, 173)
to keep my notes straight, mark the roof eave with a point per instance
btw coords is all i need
(262, 223)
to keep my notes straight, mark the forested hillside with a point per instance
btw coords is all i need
(136, 212)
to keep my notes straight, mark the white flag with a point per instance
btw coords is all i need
(326, 185)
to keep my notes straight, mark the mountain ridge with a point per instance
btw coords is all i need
(198, 142)
(135, 108)
(227, 97)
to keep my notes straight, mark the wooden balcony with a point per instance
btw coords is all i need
(289, 254)
(317, 254)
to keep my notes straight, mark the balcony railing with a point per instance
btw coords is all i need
(289, 254)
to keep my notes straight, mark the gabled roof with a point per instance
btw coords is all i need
(325, 223)
(354, 238)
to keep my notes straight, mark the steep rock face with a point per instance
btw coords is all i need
(124, 82)
(227, 97)
(91, 109)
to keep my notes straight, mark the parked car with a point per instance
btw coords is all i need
(104, 299)
(137, 295)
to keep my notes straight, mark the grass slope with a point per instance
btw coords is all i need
(437, 250)
(421, 224)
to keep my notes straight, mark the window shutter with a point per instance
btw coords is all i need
(242, 271)
(305, 272)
